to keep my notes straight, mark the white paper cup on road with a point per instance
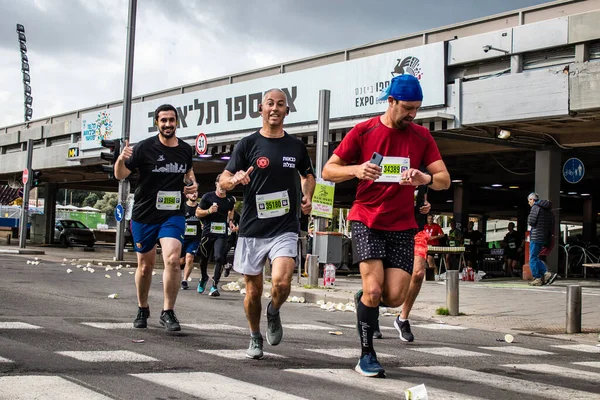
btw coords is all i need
(416, 393)
(508, 338)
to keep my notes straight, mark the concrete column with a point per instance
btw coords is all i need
(461, 206)
(548, 176)
(582, 52)
(589, 220)
(516, 64)
(50, 212)
(482, 227)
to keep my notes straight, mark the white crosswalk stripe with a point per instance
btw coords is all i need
(346, 353)
(383, 328)
(237, 354)
(557, 370)
(307, 327)
(448, 352)
(211, 386)
(215, 327)
(107, 356)
(18, 325)
(44, 387)
(521, 386)
(521, 351)
(585, 348)
(392, 387)
(5, 360)
(445, 327)
(109, 325)
(593, 364)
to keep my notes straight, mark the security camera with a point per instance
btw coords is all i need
(487, 48)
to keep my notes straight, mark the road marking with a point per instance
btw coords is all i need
(307, 327)
(44, 387)
(237, 354)
(593, 364)
(586, 348)
(109, 325)
(348, 377)
(514, 385)
(521, 351)
(5, 360)
(443, 327)
(448, 352)
(215, 327)
(381, 328)
(18, 325)
(211, 386)
(557, 370)
(350, 352)
(107, 356)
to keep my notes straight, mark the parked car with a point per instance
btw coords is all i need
(69, 232)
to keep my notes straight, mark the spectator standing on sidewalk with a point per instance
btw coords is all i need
(541, 220)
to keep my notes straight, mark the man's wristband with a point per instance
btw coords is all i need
(431, 182)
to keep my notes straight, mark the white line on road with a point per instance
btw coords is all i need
(521, 351)
(107, 356)
(211, 386)
(520, 386)
(441, 327)
(44, 387)
(18, 325)
(347, 353)
(307, 327)
(593, 364)
(448, 352)
(237, 354)
(557, 370)
(585, 348)
(215, 327)
(392, 387)
(383, 328)
(5, 360)
(109, 325)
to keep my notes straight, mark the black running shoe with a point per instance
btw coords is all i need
(141, 321)
(403, 328)
(169, 320)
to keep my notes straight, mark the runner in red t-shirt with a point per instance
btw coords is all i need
(435, 234)
(383, 222)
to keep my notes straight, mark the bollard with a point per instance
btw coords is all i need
(313, 270)
(452, 292)
(573, 309)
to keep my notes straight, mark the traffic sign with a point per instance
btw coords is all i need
(119, 212)
(20, 192)
(573, 170)
(201, 143)
(25, 176)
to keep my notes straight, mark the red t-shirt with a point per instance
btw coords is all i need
(384, 205)
(433, 230)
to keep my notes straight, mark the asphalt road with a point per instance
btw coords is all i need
(62, 337)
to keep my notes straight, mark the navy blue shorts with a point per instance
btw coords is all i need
(190, 247)
(145, 236)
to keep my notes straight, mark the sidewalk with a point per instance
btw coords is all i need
(504, 305)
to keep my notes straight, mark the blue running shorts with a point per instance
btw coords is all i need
(145, 236)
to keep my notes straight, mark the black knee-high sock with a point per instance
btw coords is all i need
(217, 274)
(204, 268)
(367, 320)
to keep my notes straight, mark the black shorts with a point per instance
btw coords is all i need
(512, 255)
(394, 248)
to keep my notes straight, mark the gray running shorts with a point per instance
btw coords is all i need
(251, 253)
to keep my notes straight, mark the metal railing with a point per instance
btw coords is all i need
(576, 255)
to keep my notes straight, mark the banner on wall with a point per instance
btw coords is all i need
(354, 85)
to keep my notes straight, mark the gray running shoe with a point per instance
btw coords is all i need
(255, 350)
(274, 328)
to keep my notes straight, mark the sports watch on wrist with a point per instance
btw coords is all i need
(431, 182)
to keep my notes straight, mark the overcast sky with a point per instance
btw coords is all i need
(76, 48)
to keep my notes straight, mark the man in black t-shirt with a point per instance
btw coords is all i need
(215, 210)
(234, 227)
(164, 164)
(267, 163)
(191, 241)
(472, 240)
(513, 249)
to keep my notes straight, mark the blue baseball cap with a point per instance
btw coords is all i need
(403, 87)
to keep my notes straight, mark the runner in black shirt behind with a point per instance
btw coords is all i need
(215, 210)
(234, 227)
(267, 163)
(191, 241)
(513, 249)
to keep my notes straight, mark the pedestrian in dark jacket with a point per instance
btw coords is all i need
(541, 239)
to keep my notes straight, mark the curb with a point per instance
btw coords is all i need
(22, 251)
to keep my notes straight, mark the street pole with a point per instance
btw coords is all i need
(322, 154)
(124, 184)
(25, 206)
(452, 284)
(574, 309)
